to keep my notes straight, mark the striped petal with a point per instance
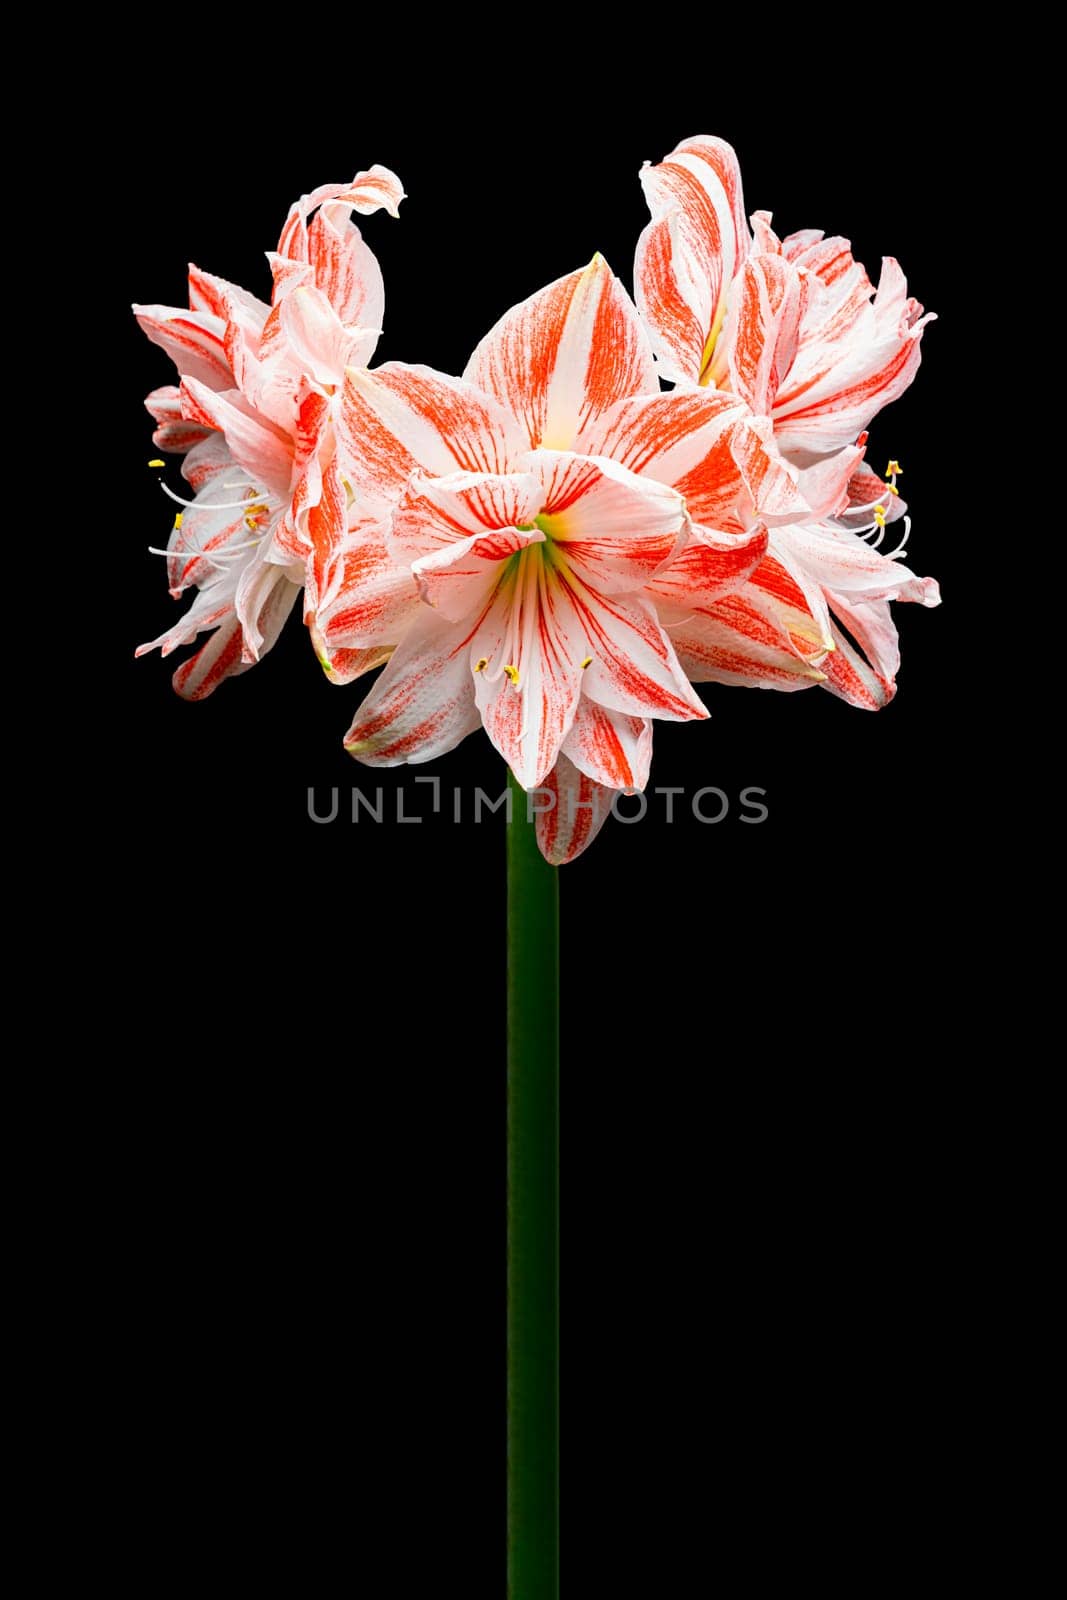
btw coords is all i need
(173, 434)
(839, 381)
(741, 640)
(611, 748)
(689, 253)
(194, 340)
(563, 357)
(611, 528)
(220, 658)
(710, 566)
(632, 664)
(581, 809)
(423, 703)
(766, 304)
(436, 513)
(257, 444)
(528, 651)
(851, 567)
(370, 191)
(708, 446)
(862, 669)
(400, 419)
(458, 579)
(375, 599)
(317, 339)
(797, 599)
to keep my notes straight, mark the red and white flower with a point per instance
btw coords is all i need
(795, 328)
(528, 513)
(255, 410)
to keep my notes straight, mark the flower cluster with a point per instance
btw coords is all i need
(553, 546)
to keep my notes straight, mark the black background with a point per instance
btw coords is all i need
(286, 1255)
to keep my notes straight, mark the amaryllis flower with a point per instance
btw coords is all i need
(527, 512)
(255, 410)
(796, 328)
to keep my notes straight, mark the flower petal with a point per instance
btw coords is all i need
(866, 684)
(220, 658)
(633, 667)
(319, 341)
(610, 527)
(194, 340)
(458, 579)
(741, 640)
(797, 599)
(345, 269)
(839, 560)
(374, 598)
(173, 433)
(688, 255)
(708, 446)
(423, 703)
(399, 418)
(840, 379)
(564, 356)
(435, 513)
(258, 445)
(766, 302)
(580, 811)
(710, 566)
(527, 653)
(609, 746)
(265, 597)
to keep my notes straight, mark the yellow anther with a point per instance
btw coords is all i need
(513, 674)
(178, 519)
(587, 660)
(879, 516)
(892, 488)
(893, 470)
(480, 666)
(157, 463)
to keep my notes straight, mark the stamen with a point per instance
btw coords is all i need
(218, 505)
(156, 462)
(893, 470)
(480, 666)
(891, 555)
(512, 673)
(586, 662)
(216, 557)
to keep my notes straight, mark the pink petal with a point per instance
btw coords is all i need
(689, 253)
(741, 640)
(193, 340)
(423, 703)
(458, 579)
(528, 681)
(766, 302)
(435, 513)
(633, 668)
(710, 566)
(580, 811)
(374, 598)
(257, 444)
(839, 560)
(611, 528)
(610, 747)
(218, 659)
(319, 341)
(564, 356)
(398, 418)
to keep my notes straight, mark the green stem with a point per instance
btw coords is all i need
(533, 1213)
